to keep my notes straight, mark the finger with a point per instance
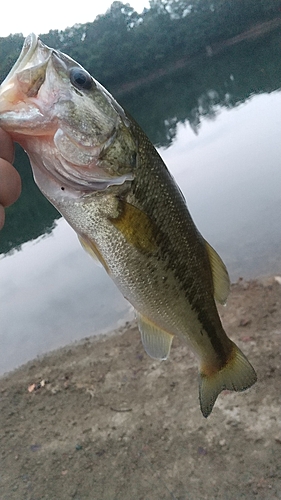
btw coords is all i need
(10, 183)
(6, 146)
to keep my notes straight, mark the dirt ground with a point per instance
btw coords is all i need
(103, 421)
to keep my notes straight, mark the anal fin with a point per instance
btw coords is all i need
(91, 248)
(156, 342)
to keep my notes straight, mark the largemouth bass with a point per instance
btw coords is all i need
(98, 168)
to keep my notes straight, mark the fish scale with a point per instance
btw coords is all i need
(99, 169)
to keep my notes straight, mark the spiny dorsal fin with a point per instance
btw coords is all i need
(156, 342)
(221, 279)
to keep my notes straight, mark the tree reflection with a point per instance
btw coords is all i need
(168, 91)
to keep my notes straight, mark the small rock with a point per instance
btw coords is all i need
(35, 447)
(202, 451)
(244, 322)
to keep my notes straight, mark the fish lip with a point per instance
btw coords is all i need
(29, 47)
(32, 48)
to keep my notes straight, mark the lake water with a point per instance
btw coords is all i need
(51, 291)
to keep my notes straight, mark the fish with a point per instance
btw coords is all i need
(94, 163)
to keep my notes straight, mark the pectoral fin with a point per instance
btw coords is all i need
(156, 342)
(220, 275)
(91, 248)
(136, 226)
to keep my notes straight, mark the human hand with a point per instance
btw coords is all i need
(10, 181)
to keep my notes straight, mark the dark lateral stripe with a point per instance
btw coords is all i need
(216, 342)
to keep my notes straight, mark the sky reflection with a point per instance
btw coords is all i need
(52, 293)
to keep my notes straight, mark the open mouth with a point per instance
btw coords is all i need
(25, 78)
(31, 43)
(37, 109)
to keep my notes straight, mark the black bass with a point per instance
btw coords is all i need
(98, 168)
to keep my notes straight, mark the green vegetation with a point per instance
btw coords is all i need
(163, 57)
(123, 46)
(31, 216)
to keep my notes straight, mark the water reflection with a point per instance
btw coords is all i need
(231, 177)
(206, 86)
(52, 293)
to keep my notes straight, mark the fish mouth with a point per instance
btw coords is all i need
(33, 53)
(38, 108)
(30, 45)
(23, 82)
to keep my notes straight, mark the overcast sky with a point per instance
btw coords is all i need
(18, 16)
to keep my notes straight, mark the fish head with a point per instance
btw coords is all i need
(70, 126)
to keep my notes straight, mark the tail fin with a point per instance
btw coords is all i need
(237, 375)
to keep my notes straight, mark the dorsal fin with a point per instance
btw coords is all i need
(156, 342)
(220, 275)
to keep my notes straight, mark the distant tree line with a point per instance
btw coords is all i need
(122, 46)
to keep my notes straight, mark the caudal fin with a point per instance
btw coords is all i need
(237, 375)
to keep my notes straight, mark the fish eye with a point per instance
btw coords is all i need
(80, 79)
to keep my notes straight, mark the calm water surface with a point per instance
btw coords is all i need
(51, 291)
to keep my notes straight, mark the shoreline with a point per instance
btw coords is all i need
(101, 420)
(126, 326)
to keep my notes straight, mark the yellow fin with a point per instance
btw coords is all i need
(136, 227)
(156, 342)
(91, 248)
(220, 275)
(237, 375)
